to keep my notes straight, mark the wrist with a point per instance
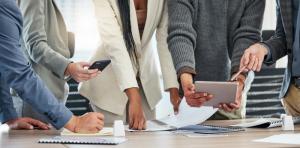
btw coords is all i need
(67, 71)
(71, 125)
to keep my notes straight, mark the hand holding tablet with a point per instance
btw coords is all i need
(223, 92)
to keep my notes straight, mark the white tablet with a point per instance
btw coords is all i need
(223, 92)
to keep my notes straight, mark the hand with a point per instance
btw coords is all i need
(88, 123)
(253, 57)
(175, 99)
(26, 124)
(79, 72)
(137, 120)
(240, 80)
(194, 99)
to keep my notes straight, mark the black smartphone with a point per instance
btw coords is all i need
(100, 65)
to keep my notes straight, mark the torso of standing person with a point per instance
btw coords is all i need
(141, 13)
(147, 18)
(47, 43)
(220, 32)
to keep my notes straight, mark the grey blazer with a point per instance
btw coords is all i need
(281, 43)
(46, 42)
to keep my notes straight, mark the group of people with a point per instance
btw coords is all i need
(208, 40)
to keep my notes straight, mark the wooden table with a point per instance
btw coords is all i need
(28, 139)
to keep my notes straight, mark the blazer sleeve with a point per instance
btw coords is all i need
(166, 62)
(248, 32)
(112, 39)
(35, 38)
(277, 45)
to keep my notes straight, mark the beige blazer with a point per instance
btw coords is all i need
(47, 43)
(107, 90)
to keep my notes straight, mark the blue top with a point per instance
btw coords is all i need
(16, 73)
(296, 45)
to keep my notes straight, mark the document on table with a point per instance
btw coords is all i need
(282, 139)
(261, 123)
(187, 116)
(106, 131)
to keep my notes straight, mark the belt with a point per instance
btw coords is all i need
(297, 82)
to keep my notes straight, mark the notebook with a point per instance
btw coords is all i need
(261, 123)
(83, 140)
(210, 129)
(106, 131)
(198, 129)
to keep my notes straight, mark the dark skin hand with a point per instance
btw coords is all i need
(137, 119)
(194, 99)
(175, 99)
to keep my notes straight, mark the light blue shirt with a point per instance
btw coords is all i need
(16, 73)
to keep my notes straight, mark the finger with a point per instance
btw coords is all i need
(141, 125)
(255, 65)
(260, 61)
(100, 116)
(245, 58)
(99, 127)
(200, 94)
(38, 124)
(93, 71)
(196, 102)
(136, 124)
(234, 106)
(131, 122)
(93, 75)
(23, 126)
(251, 62)
(209, 97)
(226, 108)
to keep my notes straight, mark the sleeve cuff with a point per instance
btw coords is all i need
(186, 69)
(64, 119)
(9, 114)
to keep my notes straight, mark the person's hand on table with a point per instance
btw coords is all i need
(91, 122)
(80, 72)
(137, 119)
(175, 99)
(240, 80)
(253, 57)
(194, 99)
(26, 124)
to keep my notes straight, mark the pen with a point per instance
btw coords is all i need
(239, 72)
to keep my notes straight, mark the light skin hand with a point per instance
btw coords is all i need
(79, 71)
(26, 124)
(137, 119)
(240, 80)
(175, 99)
(194, 99)
(253, 57)
(88, 123)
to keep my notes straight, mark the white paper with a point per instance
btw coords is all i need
(189, 115)
(282, 139)
(106, 131)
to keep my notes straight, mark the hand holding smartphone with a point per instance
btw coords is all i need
(100, 65)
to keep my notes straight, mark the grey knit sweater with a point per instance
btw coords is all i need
(210, 36)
